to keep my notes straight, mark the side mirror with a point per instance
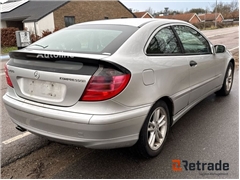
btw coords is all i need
(220, 48)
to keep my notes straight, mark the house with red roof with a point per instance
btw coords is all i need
(211, 17)
(37, 16)
(233, 15)
(143, 14)
(188, 17)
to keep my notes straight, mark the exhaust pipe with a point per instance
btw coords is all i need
(21, 129)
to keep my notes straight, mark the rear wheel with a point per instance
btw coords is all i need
(155, 130)
(228, 81)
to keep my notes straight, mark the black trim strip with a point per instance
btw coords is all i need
(178, 40)
(33, 61)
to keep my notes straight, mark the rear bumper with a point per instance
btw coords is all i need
(101, 131)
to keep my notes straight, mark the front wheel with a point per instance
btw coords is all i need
(155, 130)
(228, 81)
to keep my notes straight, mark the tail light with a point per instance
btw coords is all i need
(105, 84)
(9, 82)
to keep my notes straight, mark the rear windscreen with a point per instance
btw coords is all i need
(93, 39)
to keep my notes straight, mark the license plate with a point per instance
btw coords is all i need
(44, 89)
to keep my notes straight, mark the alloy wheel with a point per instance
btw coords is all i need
(229, 79)
(157, 128)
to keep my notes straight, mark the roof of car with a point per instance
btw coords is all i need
(137, 22)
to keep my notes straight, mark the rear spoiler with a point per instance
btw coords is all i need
(63, 57)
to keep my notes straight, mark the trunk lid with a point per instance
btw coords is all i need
(51, 79)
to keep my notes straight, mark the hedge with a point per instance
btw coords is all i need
(8, 37)
(205, 25)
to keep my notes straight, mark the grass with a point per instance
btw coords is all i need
(236, 57)
(6, 50)
(211, 28)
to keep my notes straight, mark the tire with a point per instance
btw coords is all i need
(228, 81)
(154, 131)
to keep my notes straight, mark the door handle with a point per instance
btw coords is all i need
(193, 63)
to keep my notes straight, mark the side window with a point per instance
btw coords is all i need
(193, 42)
(164, 42)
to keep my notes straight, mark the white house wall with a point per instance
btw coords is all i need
(3, 24)
(46, 23)
(30, 27)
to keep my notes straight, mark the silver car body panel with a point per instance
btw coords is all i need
(203, 76)
(89, 130)
(55, 88)
(177, 116)
(102, 108)
(118, 121)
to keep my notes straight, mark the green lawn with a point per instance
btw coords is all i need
(6, 50)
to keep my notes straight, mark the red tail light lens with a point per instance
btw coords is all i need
(9, 82)
(105, 84)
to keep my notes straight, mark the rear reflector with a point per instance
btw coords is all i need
(105, 84)
(9, 82)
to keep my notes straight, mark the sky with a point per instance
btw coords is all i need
(180, 5)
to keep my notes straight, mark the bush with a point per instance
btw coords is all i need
(220, 25)
(45, 33)
(56, 29)
(199, 25)
(8, 37)
(211, 25)
(34, 38)
(205, 25)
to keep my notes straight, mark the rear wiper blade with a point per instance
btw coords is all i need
(40, 45)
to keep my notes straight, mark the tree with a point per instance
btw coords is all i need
(150, 10)
(197, 10)
(222, 8)
(234, 6)
(133, 10)
(170, 12)
(226, 9)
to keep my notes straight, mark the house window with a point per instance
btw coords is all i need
(106, 17)
(69, 20)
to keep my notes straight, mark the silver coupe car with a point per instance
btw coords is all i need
(114, 83)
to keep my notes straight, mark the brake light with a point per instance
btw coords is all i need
(9, 82)
(105, 84)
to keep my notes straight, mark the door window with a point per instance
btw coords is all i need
(164, 42)
(193, 42)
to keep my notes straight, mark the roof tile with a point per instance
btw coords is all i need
(140, 14)
(208, 17)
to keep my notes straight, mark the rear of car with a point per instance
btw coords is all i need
(116, 83)
(60, 87)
